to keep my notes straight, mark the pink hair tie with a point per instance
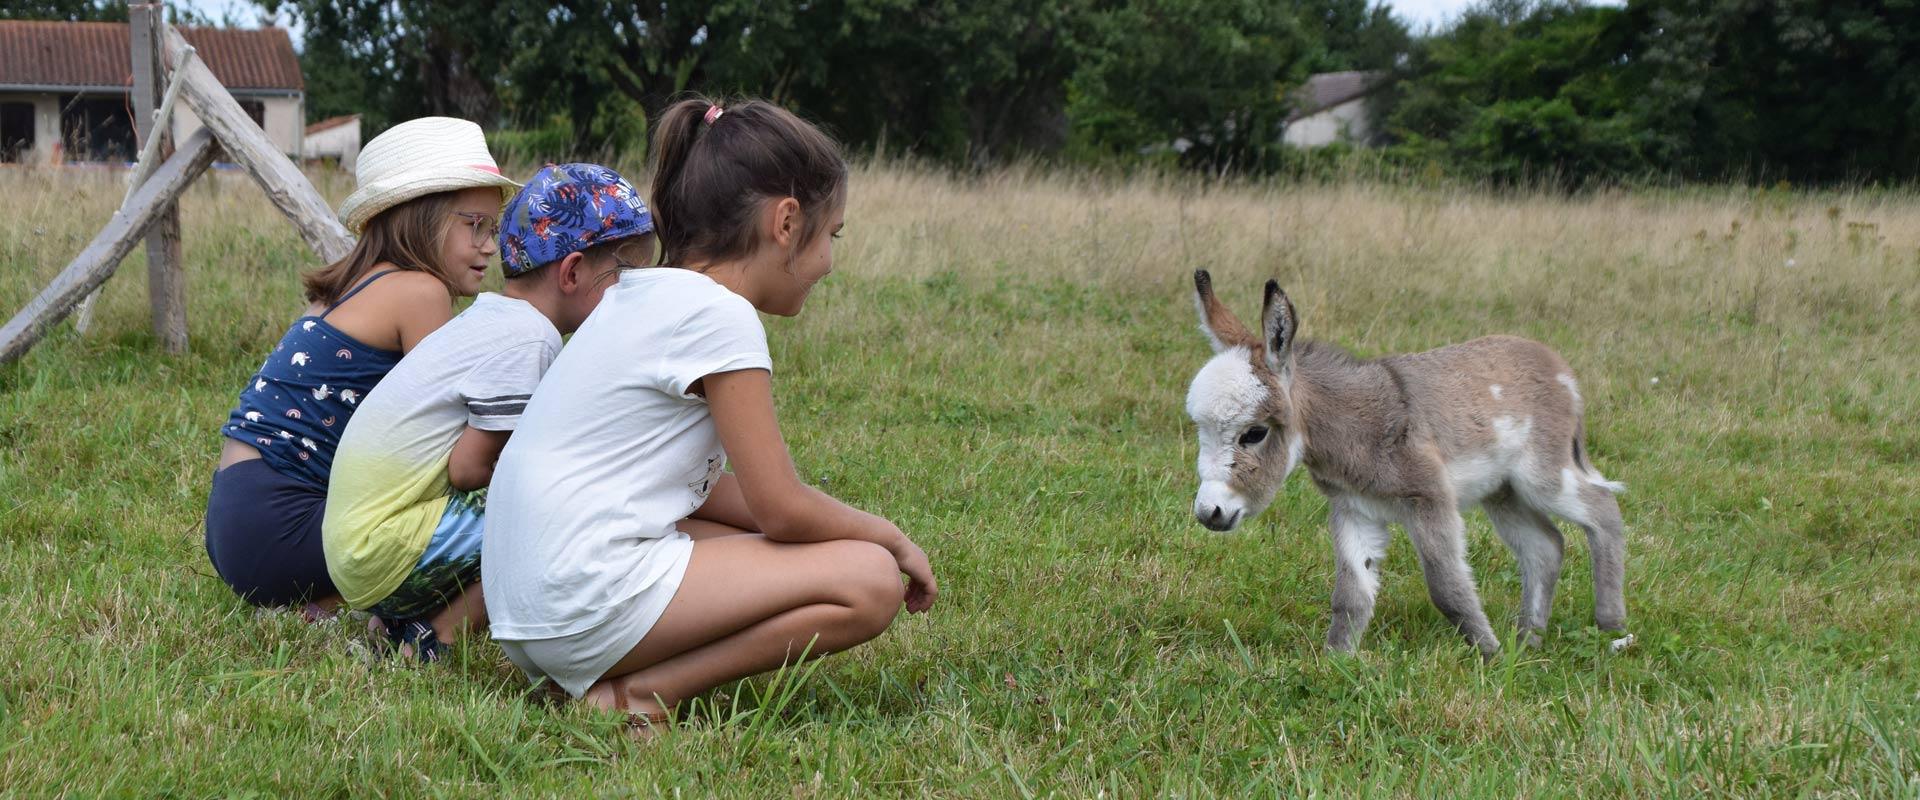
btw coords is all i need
(714, 112)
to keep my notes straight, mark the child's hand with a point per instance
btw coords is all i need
(921, 588)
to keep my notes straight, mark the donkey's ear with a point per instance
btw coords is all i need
(1222, 330)
(1278, 326)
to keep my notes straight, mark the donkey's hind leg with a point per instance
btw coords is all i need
(1537, 546)
(1591, 506)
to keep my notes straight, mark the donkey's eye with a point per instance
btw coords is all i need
(1253, 436)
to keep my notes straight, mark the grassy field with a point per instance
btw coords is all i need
(999, 365)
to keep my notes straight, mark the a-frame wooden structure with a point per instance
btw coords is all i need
(159, 178)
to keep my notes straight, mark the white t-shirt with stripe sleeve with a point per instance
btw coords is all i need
(389, 484)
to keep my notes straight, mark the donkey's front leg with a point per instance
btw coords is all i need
(1359, 542)
(1440, 536)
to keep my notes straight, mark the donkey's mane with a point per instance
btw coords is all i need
(1326, 354)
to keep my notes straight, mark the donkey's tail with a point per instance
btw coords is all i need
(1580, 460)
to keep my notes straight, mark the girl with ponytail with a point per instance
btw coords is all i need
(623, 560)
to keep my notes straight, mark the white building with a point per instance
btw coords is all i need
(335, 139)
(65, 88)
(1332, 107)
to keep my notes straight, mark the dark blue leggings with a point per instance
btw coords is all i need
(263, 535)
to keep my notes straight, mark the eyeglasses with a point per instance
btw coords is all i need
(483, 226)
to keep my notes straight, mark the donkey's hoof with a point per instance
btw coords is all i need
(1529, 639)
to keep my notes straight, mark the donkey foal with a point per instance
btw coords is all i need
(1407, 439)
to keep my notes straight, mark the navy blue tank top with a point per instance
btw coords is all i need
(295, 408)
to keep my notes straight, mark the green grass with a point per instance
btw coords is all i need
(999, 365)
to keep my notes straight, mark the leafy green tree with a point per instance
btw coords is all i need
(580, 58)
(1523, 91)
(392, 60)
(1807, 90)
(1209, 76)
(65, 10)
(959, 81)
(963, 82)
(1353, 34)
(89, 11)
(972, 82)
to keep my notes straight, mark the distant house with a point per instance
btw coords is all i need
(335, 139)
(65, 88)
(1332, 107)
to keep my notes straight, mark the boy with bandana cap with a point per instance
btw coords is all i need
(406, 499)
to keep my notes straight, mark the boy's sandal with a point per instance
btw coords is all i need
(418, 635)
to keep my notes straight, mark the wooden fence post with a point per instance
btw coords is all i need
(92, 267)
(166, 277)
(227, 129)
(247, 144)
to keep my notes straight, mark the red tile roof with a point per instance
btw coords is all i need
(36, 53)
(332, 122)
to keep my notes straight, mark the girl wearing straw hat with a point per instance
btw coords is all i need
(426, 208)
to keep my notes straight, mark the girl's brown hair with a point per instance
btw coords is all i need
(709, 179)
(407, 236)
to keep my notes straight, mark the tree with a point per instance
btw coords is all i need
(1807, 90)
(392, 60)
(1812, 91)
(1353, 34)
(1211, 73)
(972, 82)
(89, 11)
(963, 82)
(1518, 91)
(65, 10)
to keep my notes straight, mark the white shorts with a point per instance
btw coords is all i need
(577, 661)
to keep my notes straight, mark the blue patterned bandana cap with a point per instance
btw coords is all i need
(565, 209)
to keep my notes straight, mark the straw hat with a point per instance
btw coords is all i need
(419, 157)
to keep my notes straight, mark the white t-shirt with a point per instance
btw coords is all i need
(610, 453)
(389, 484)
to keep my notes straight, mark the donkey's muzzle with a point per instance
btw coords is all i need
(1216, 518)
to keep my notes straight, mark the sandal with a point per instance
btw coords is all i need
(390, 637)
(641, 725)
(418, 635)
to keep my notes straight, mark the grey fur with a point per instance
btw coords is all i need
(1410, 440)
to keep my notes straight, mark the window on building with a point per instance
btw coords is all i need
(16, 132)
(257, 110)
(97, 128)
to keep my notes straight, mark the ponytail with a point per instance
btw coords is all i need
(714, 165)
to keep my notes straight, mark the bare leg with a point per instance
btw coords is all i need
(1440, 537)
(700, 529)
(1539, 548)
(747, 605)
(468, 611)
(1358, 545)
